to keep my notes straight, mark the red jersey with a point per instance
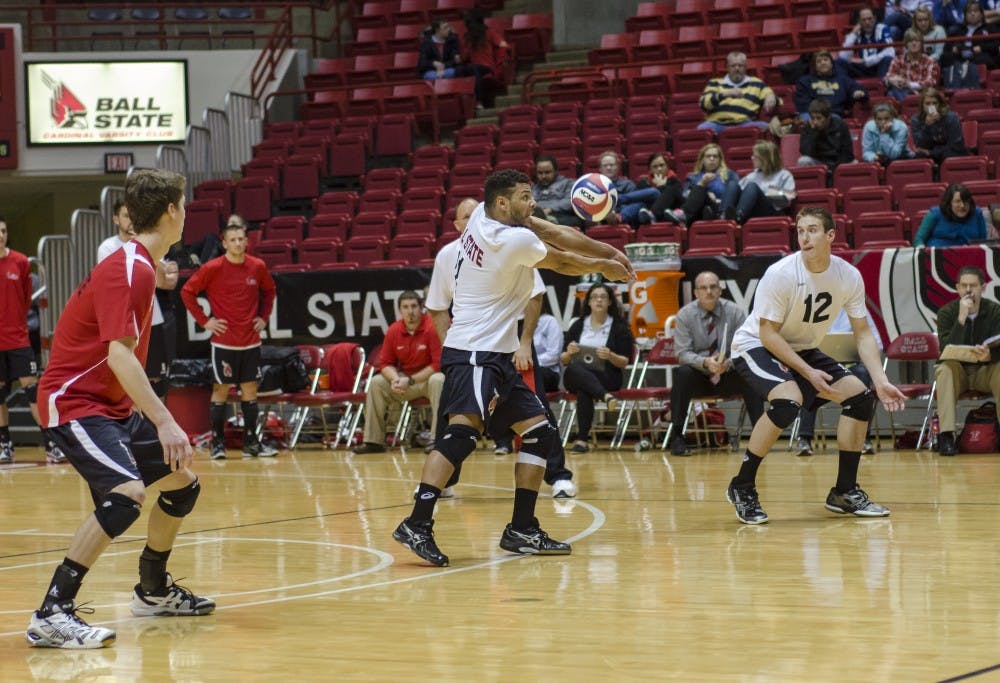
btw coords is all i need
(237, 292)
(15, 299)
(411, 351)
(113, 302)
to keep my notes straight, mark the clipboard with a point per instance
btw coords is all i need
(587, 355)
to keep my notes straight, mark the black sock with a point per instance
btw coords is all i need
(5, 433)
(250, 414)
(153, 569)
(847, 475)
(524, 508)
(217, 413)
(64, 586)
(747, 476)
(423, 505)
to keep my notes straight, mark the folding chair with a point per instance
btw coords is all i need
(640, 398)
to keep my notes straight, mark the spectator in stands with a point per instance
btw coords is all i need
(610, 164)
(671, 196)
(598, 347)
(710, 190)
(913, 70)
(826, 83)
(969, 320)
(548, 339)
(410, 367)
(441, 57)
(735, 99)
(923, 21)
(952, 223)
(551, 192)
(991, 11)
(868, 48)
(658, 188)
(884, 138)
(826, 140)
(241, 293)
(899, 15)
(949, 13)
(485, 51)
(936, 129)
(769, 189)
(703, 334)
(960, 60)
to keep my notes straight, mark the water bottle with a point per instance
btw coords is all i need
(935, 430)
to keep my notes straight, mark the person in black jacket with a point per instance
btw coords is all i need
(826, 83)
(936, 129)
(826, 140)
(960, 60)
(441, 57)
(598, 346)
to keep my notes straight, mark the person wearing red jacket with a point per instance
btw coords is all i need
(241, 295)
(410, 368)
(17, 359)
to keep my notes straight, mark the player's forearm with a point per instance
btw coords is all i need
(442, 321)
(567, 239)
(871, 356)
(532, 312)
(569, 263)
(131, 375)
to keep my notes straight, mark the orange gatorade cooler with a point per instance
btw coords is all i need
(655, 295)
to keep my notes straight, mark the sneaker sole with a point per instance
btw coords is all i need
(155, 612)
(745, 521)
(856, 513)
(531, 550)
(35, 640)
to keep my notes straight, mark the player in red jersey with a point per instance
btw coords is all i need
(98, 406)
(17, 359)
(241, 294)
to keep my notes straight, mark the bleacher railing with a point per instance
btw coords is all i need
(246, 127)
(58, 270)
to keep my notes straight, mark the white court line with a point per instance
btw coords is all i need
(597, 522)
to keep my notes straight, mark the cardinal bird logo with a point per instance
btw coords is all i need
(66, 109)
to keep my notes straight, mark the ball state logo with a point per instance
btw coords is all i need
(227, 369)
(66, 109)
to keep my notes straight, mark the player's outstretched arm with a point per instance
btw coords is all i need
(570, 263)
(132, 376)
(572, 240)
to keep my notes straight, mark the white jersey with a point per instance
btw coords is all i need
(494, 277)
(110, 246)
(805, 303)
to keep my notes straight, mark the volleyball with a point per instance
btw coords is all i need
(593, 196)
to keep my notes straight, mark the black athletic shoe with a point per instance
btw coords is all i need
(854, 502)
(218, 451)
(419, 537)
(748, 509)
(678, 444)
(532, 541)
(946, 444)
(256, 449)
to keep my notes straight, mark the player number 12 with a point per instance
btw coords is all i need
(823, 301)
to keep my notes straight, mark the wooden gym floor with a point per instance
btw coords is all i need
(664, 583)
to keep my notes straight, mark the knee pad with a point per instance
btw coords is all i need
(457, 443)
(32, 393)
(538, 444)
(783, 412)
(117, 513)
(181, 502)
(860, 407)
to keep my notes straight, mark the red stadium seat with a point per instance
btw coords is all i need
(285, 228)
(341, 202)
(329, 226)
(859, 200)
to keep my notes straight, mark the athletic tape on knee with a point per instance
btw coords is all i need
(783, 412)
(538, 444)
(181, 502)
(32, 393)
(457, 443)
(117, 513)
(860, 407)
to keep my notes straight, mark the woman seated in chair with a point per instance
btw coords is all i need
(656, 192)
(598, 346)
(954, 222)
(936, 129)
(885, 137)
(769, 189)
(710, 189)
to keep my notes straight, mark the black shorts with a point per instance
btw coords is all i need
(235, 366)
(763, 372)
(156, 358)
(108, 453)
(486, 384)
(17, 363)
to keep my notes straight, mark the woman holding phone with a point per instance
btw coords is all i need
(936, 129)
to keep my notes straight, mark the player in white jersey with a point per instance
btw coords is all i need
(775, 352)
(440, 293)
(494, 278)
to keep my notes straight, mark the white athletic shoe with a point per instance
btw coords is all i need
(178, 602)
(6, 452)
(66, 630)
(564, 488)
(54, 455)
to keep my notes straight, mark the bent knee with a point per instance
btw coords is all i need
(135, 489)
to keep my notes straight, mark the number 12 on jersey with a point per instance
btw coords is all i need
(823, 301)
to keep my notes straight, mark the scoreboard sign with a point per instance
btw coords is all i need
(103, 103)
